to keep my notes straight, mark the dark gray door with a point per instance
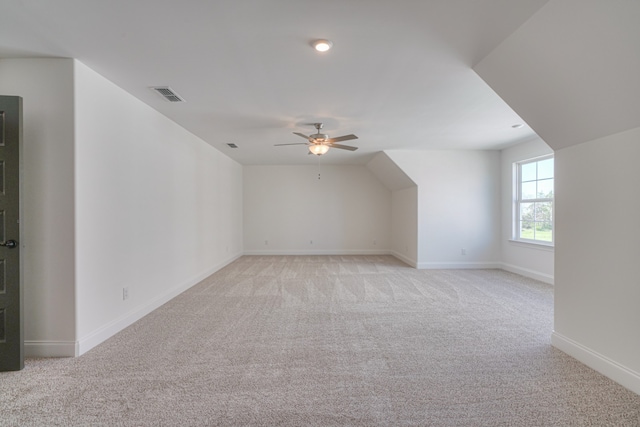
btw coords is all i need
(11, 329)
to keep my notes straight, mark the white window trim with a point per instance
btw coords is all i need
(515, 223)
(533, 244)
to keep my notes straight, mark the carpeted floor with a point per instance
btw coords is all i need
(328, 341)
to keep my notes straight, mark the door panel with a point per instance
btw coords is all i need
(11, 325)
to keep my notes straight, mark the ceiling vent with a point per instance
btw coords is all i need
(168, 94)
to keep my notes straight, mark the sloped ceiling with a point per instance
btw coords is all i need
(572, 70)
(389, 173)
(399, 75)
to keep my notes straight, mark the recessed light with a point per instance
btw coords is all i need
(517, 126)
(322, 45)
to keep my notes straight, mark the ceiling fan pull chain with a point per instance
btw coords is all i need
(318, 167)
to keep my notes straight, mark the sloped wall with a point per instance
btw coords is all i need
(157, 209)
(404, 207)
(571, 70)
(115, 196)
(571, 73)
(458, 206)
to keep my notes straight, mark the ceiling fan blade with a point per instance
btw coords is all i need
(342, 138)
(343, 147)
(301, 134)
(295, 143)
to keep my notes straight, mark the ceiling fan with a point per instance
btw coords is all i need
(319, 143)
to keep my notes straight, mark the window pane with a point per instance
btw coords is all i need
(526, 230)
(543, 212)
(545, 189)
(534, 220)
(528, 172)
(544, 231)
(527, 212)
(528, 190)
(545, 169)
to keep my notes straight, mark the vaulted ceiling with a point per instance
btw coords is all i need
(399, 75)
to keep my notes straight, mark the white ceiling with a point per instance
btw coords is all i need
(582, 58)
(399, 76)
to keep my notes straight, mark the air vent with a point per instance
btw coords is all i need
(168, 94)
(232, 145)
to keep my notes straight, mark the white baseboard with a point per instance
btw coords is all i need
(457, 265)
(36, 348)
(76, 348)
(319, 252)
(607, 367)
(105, 332)
(406, 260)
(546, 278)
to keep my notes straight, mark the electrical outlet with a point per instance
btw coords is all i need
(463, 251)
(125, 294)
(266, 242)
(311, 242)
(374, 242)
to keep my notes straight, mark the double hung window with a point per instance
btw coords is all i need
(534, 201)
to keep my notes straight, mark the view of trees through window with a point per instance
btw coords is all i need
(535, 200)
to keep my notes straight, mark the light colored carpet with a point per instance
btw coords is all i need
(328, 341)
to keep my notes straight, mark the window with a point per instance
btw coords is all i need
(534, 201)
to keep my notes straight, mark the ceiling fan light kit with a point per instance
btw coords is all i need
(318, 149)
(319, 143)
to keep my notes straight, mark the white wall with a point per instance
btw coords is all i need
(404, 225)
(47, 238)
(530, 260)
(288, 207)
(157, 209)
(571, 72)
(458, 206)
(114, 195)
(597, 317)
(404, 207)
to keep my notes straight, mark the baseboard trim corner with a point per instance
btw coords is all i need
(607, 367)
(404, 259)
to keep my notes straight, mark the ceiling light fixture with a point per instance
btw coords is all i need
(517, 126)
(322, 45)
(318, 149)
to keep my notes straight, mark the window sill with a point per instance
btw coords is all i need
(547, 247)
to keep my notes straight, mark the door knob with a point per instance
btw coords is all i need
(9, 244)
